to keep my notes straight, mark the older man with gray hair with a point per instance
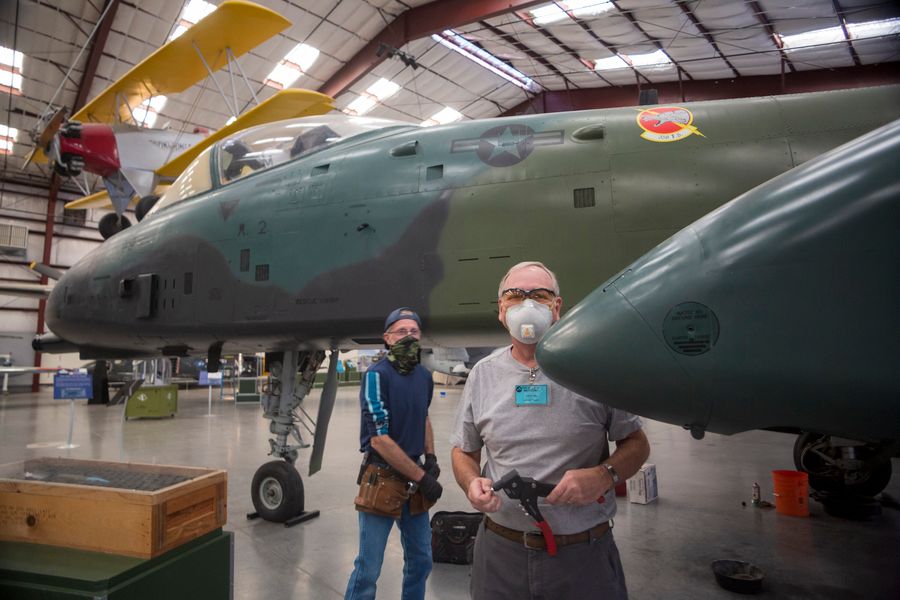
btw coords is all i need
(530, 424)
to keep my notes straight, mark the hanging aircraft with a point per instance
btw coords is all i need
(777, 311)
(297, 237)
(106, 138)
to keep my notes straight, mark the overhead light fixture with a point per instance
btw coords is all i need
(146, 113)
(657, 58)
(294, 64)
(7, 138)
(834, 35)
(191, 14)
(442, 117)
(457, 43)
(559, 11)
(11, 62)
(375, 93)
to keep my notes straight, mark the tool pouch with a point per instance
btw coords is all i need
(418, 503)
(453, 536)
(381, 492)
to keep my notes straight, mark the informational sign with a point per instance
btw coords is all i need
(70, 386)
(207, 378)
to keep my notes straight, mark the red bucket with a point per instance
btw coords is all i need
(791, 493)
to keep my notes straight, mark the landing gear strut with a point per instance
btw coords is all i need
(277, 488)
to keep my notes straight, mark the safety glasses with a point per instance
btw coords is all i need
(517, 295)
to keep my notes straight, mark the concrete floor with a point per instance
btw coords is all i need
(666, 547)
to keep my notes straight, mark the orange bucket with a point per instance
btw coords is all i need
(791, 493)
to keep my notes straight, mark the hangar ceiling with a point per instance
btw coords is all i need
(574, 47)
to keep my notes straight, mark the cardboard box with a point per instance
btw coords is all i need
(642, 487)
(64, 502)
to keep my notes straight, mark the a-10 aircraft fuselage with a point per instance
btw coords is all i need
(313, 252)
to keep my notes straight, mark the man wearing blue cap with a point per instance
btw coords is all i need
(394, 487)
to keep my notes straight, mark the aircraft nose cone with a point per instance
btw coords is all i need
(596, 349)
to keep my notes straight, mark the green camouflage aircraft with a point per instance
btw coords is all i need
(776, 311)
(297, 237)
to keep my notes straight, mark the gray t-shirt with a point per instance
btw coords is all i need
(539, 441)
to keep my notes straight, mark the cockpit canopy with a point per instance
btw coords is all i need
(264, 147)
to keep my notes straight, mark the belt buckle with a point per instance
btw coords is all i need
(540, 539)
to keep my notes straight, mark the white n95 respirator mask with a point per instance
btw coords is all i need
(529, 321)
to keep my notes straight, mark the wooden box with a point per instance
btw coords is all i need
(119, 508)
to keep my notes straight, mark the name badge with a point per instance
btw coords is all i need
(532, 395)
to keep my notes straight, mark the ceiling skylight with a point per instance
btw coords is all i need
(621, 61)
(834, 35)
(379, 91)
(11, 70)
(558, 11)
(294, 64)
(146, 113)
(482, 57)
(7, 138)
(193, 12)
(442, 117)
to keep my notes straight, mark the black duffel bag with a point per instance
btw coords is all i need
(453, 536)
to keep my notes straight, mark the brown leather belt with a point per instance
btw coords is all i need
(534, 539)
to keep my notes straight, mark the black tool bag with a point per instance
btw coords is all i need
(453, 536)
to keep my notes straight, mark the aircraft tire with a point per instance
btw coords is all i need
(144, 205)
(112, 224)
(870, 480)
(277, 491)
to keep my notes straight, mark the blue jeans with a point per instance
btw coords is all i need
(415, 536)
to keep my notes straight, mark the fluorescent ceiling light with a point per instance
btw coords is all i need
(829, 35)
(834, 35)
(458, 43)
(146, 113)
(361, 105)
(379, 91)
(383, 89)
(11, 70)
(653, 59)
(7, 137)
(193, 12)
(549, 13)
(442, 117)
(294, 64)
(607, 64)
(11, 58)
(588, 8)
(558, 11)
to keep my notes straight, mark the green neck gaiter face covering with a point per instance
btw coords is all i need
(404, 355)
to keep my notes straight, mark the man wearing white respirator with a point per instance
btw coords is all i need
(545, 432)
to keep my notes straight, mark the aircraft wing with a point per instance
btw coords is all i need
(286, 104)
(101, 199)
(176, 66)
(26, 290)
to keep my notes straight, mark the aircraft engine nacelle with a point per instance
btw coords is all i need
(86, 146)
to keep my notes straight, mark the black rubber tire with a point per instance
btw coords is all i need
(112, 224)
(872, 482)
(144, 205)
(277, 491)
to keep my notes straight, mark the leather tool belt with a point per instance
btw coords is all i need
(534, 540)
(383, 491)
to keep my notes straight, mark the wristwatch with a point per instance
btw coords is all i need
(612, 472)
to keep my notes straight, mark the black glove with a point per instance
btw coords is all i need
(430, 487)
(431, 467)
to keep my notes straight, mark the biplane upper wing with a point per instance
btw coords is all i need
(286, 104)
(176, 66)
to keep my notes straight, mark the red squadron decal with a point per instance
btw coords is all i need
(667, 124)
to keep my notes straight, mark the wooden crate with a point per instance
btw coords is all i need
(132, 522)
